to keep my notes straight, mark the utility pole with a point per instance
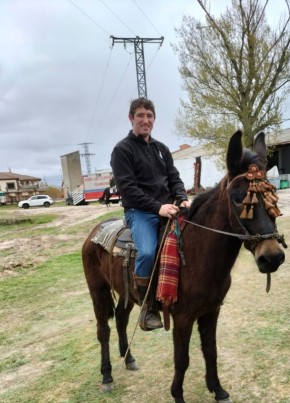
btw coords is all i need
(139, 58)
(87, 156)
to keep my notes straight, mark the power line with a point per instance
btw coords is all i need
(118, 18)
(90, 18)
(99, 94)
(123, 109)
(150, 22)
(115, 93)
(135, 89)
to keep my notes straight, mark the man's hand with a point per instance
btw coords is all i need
(168, 210)
(185, 203)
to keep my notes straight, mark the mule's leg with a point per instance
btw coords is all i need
(181, 336)
(122, 319)
(103, 306)
(207, 325)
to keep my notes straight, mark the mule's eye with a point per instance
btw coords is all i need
(238, 196)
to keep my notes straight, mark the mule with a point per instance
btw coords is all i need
(212, 237)
(107, 194)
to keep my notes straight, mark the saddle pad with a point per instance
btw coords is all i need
(114, 236)
(106, 235)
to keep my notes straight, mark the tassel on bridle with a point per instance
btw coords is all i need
(258, 183)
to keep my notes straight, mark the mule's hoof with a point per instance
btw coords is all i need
(179, 400)
(132, 366)
(108, 387)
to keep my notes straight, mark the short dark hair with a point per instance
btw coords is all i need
(139, 103)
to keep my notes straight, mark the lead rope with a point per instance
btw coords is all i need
(148, 290)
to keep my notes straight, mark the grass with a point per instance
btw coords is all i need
(49, 351)
(15, 227)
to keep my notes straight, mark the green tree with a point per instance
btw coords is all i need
(236, 71)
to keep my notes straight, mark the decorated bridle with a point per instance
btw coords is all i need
(258, 184)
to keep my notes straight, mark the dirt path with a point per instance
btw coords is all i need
(70, 215)
(25, 252)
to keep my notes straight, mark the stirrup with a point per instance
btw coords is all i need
(150, 319)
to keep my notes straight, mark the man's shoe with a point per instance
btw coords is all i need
(153, 319)
(150, 319)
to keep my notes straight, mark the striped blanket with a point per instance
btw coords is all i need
(167, 286)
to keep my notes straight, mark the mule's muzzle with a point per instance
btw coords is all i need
(268, 264)
(269, 256)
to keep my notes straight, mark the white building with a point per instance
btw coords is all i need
(185, 159)
(211, 173)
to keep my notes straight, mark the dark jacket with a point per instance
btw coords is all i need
(145, 174)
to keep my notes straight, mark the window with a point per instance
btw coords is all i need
(10, 185)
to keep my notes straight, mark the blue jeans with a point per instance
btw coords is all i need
(144, 228)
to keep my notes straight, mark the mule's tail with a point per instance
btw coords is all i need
(98, 285)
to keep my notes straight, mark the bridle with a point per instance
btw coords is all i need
(257, 183)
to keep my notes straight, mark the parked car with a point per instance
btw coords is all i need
(36, 201)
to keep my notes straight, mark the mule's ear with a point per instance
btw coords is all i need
(260, 146)
(235, 152)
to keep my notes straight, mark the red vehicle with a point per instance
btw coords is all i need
(93, 188)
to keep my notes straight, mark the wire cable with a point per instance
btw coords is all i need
(150, 22)
(123, 109)
(90, 18)
(99, 94)
(118, 18)
(114, 95)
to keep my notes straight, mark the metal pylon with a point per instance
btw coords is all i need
(139, 58)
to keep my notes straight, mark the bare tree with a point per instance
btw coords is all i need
(236, 72)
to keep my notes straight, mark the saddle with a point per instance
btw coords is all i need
(115, 237)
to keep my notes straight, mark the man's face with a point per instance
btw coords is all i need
(142, 122)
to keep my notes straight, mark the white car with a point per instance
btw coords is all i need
(36, 201)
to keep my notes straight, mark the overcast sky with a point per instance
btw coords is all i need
(63, 84)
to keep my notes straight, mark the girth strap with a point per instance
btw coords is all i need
(126, 264)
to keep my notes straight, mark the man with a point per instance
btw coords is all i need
(149, 184)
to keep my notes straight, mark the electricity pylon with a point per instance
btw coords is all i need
(139, 58)
(87, 156)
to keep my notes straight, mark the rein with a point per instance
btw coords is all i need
(244, 237)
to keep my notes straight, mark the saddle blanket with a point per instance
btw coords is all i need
(114, 237)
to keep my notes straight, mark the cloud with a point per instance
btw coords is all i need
(62, 83)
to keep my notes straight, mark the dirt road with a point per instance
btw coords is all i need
(29, 251)
(25, 252)
(70, 215)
